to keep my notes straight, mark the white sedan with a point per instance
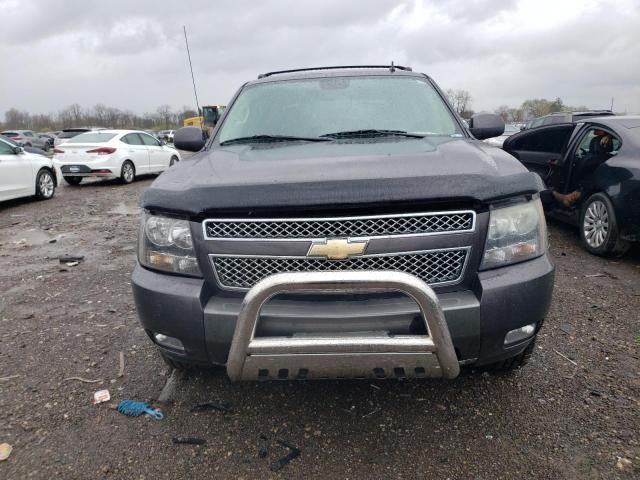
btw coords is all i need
(24, 174)
(119, 154)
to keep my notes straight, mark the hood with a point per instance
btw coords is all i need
(295, 175)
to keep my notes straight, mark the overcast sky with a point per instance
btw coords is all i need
(131, 54)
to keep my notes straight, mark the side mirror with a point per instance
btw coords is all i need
(163, 141)
(18, 150)
(486, 125)
(191, 139)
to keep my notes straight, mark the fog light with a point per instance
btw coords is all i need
(519, 333)
(169, 342)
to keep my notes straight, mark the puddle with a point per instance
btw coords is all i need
(124, 209)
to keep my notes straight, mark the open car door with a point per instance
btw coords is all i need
(541, 150)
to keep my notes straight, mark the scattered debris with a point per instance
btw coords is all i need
(489, 437)
(5, 451)
(213, 405)
(566, 328)
(83, 380)
(623, 464)
(374, 386)
(565, 357)
(121, 371)
(101, 396)
(10, 377)
(376, 410)
(189, 440)
(70, 258)
(72, 264)
(294, 452)
(135, 408)
(262, 453)
(170, 386)
(602, 274)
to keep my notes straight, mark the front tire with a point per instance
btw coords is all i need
(128, 172)
(45, 185)
(73, 180)
(599, 229)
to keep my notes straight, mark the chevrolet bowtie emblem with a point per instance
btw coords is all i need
(338, 249)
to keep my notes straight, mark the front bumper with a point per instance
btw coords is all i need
(478, 319)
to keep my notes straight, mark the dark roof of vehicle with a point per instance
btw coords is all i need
(626, 121)
(585, 113)
(339, 71)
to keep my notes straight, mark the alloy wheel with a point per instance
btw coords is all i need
(46, 185)
(596, 224)
(127, 172)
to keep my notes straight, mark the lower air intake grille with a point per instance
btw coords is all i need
(434, 267)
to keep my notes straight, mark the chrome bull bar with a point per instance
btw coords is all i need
(363, 355)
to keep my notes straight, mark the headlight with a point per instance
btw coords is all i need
(166, 244)
(516, 233)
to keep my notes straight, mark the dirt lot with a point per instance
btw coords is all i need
(573, 412)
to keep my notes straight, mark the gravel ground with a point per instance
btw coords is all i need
(571, 413)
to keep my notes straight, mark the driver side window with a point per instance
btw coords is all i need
(597, 144)
(6, 149)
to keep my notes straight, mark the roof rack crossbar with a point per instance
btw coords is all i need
(391, 68)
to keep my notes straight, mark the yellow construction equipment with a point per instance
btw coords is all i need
(208, 119)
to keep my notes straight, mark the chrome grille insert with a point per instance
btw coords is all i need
(353, 227)
(435, 267)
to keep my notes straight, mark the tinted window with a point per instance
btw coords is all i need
(149, 140)
(316, 107)
(92, 137)
(28, 133)
(550, 140)
(132, 139)
(6, 149)
(11, 134)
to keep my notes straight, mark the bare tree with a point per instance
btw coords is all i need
(460, 100)
(164, 112)
(503, 111)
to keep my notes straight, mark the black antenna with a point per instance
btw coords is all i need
(392, 68)
(191, 68)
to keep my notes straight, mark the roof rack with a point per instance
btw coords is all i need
(391, 68)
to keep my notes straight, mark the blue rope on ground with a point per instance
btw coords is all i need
(135, 408)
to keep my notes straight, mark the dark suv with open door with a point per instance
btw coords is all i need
(596, 164)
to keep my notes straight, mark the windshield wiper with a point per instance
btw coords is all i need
(272, 138)
(371, 133)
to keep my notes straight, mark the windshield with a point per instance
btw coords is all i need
(92, 137)
(315, 107)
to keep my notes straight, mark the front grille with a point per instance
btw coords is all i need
(435, 267)
(373, 226)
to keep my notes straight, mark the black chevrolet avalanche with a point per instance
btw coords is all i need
(344, 222)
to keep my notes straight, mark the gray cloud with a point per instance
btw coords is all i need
(131, 54)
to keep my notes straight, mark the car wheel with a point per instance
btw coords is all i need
(173, 161)
(128, 173)
(599, 227)
(72, 180)
(45, 185)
